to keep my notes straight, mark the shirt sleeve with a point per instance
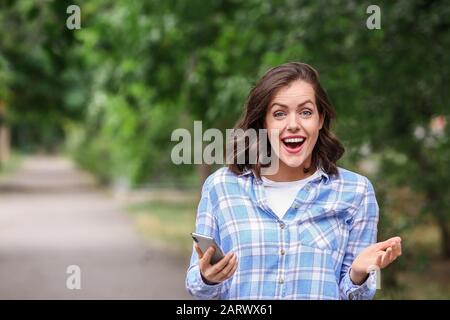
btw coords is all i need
(363, 233)
(205, 224)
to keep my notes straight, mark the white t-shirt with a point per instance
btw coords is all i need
(281, 195)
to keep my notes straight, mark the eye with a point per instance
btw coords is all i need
(306, 113)
(279, 114)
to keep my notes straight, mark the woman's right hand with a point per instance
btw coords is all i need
(215, 273)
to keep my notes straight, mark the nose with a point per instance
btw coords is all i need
(292, 123)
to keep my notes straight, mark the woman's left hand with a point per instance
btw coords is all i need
(380, 254)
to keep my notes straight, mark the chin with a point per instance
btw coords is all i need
(293, 163)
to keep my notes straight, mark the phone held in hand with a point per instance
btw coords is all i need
(204, 242)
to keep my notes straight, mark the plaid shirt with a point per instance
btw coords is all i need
(305, 255)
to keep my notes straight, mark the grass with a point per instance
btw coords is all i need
(166, 223)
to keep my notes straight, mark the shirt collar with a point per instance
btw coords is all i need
(246, 172)
(324, 175)
(257, 180)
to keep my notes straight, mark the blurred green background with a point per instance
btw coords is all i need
(110, 94)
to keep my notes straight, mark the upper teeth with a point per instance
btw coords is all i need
(294, 140)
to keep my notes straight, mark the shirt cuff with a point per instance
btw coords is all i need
(364, 291)
(198, 288)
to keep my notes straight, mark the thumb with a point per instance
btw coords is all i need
(198, 250)
(208, 254)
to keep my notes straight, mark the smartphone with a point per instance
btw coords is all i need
(204, 242)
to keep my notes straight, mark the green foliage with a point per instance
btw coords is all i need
(114, 91)
(137, 70)
(33, 56)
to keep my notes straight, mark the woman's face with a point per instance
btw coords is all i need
(293, 112)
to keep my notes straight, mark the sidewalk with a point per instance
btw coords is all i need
(52, 216)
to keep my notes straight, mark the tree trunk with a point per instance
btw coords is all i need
(445, 238)
(4, 144)
(4, 136)
(432, 196)
(204, 170)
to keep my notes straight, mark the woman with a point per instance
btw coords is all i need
(306, 231)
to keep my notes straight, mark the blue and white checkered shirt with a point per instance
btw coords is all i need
(305, 255)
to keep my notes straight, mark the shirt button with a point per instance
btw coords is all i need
(281, 281)
(295, 206)
(282, 225)
(282, 252)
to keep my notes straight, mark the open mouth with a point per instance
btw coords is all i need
(293, 144)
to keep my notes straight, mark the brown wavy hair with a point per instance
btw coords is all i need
(328, 148)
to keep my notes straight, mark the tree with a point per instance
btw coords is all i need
(33, 53)
(136, 71)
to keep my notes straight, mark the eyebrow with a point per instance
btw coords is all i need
(285, 106)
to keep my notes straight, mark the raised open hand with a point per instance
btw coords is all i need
(380, 254)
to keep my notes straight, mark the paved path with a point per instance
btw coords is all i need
(52, 216)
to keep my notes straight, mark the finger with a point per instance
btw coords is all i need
(388, 243)
(382, 245)
(380, 259)
(231, 272)
(229, 266)
(199, 251)
(208, 255)
(225, 274)
(218, 267)
(398, 251)
(205, 264)
(383, 259)
(395, 251)
(218, 270)
(387, 258)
